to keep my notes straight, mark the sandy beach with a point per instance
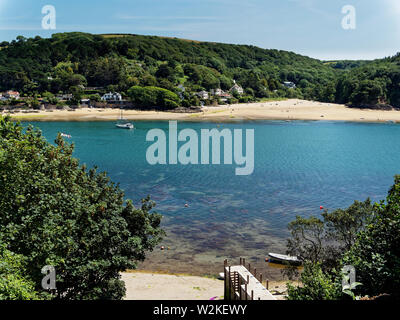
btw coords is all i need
(155, 286)
(292, 109)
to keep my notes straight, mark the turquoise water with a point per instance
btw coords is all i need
(299, 166)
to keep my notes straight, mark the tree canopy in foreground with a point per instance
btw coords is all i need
(55, 212)
(364, 236)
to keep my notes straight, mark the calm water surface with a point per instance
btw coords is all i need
(299, 166)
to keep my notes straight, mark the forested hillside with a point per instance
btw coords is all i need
(377, 82)
(69, 61)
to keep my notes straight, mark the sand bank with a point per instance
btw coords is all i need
(292, 109)
(154, 286)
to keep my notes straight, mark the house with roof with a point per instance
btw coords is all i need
(85, 102)
(203, 95)
(216, 92)
(289, 84)
(225, 96)
(11, 95)
(112, 96)
(236, 88)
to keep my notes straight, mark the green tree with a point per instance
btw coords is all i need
(14, 285)
(316, 285)
(325, 240)
(376, 253)
(55, 212)
(366, 237)
(368, 92)
(154, 97)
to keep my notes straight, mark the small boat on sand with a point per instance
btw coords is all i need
(284, 259)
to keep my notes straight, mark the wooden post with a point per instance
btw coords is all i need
(245, 290)
(255, 273)
(226, 284)
(252, 295)
(261, 278)
(244, 261)
(267, 284)
(249, 268)
(229, 285)
(240, 288)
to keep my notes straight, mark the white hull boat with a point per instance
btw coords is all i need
(125, 126)
(283, 259)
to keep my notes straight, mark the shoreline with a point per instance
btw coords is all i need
(148, 285)
(287, 110)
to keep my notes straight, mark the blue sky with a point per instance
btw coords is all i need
(309, 27)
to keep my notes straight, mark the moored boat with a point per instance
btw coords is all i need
(127, 125)
(283, 259)
(124, 124)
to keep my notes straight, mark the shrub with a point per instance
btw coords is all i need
(169, 104)
(14, 285)
(316, 285)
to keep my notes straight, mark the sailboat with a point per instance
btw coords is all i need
(124, 124)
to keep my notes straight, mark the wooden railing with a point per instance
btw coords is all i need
(243, 283)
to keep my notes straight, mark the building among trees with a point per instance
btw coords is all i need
(112, 97)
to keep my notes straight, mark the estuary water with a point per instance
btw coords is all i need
(298, 167)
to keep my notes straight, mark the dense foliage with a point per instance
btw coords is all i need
(374, 83)
(376, 253)
(55, 212)
(14, 284)
(325, 240)
(364, 236)
(67, 61)
(153, 96)
(118, 62)
(316, 285)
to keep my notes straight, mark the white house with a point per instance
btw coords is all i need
(203, 95)
(225, 96)
(216, 92)
(289, 84)
(11, 95)
(237, 88)
(112, 97)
